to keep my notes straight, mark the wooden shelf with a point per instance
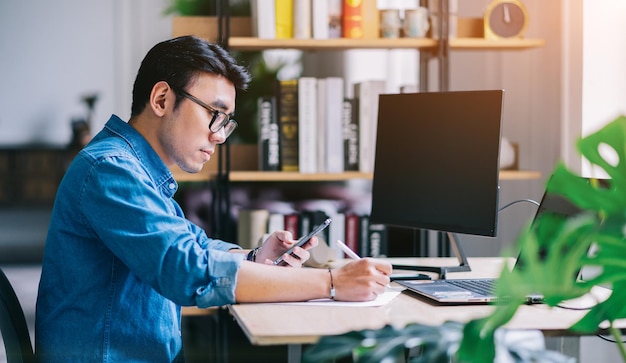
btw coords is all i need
(248, 43)
(500, 44)
(279, 176)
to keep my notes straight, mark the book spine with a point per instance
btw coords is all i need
(268, 134)
(321, 126)
(367, 93)
(284, 19)
(263, 13)
(319, 19)
(287, 105)
(332, 121)
(302, 19)
(364, 235)
(337, 232)
(352, 19)
(292, 221)
(371, 19)
(307, 124)
(334, 22)
(378, 240)
(350, 133)
(352, 232)
(251, 227)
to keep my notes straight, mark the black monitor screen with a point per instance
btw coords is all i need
(437, 161)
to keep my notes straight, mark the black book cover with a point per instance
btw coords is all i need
(350, 125)
(269, 142)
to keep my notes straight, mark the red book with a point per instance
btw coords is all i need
(352, 231)
(352, 19)
(291, 224)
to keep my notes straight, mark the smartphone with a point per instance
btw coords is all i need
(279, 261)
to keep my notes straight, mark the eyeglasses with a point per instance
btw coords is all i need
(219, 119)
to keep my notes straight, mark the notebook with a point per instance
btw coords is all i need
(471, 291)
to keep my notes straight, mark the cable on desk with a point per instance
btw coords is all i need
(607, 339)
(519, 201)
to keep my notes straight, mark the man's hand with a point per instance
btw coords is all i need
(279, 242)
(361, 280)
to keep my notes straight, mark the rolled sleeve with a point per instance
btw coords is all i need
(223, 272)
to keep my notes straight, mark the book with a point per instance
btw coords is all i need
(307, 125)
(366, 93)
(302, 19)
(269, 143)
(350, 133)
(334, 18)
(364, 235)
(352, 231)
(333, 127)
(287, 112)
(352, 19)
(263, 16)
(377, 240)
(292, 224)
(284, 19)
(251, 227)
(371, 19)
(275, 222)
(337, 231)
(321, 125)
(319, 19)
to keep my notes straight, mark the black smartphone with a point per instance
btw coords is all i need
(279, 261)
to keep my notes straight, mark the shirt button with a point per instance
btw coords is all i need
(172, 186)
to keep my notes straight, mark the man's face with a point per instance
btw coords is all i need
(185, 136)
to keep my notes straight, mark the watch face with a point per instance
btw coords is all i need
(507, 20)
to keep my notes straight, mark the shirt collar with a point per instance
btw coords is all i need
(145, 153)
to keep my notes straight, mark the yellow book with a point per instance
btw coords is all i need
(284, 19)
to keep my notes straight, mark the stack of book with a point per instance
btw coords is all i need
(314, 19)
(355, 230)
(309, 126)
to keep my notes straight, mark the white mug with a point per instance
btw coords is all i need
(390, 23)
(416, 23)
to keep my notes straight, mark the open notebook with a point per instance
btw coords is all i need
(468, 291)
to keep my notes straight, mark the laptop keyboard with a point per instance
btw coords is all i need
(481, 286)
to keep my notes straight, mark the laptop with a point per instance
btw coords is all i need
(482, 291)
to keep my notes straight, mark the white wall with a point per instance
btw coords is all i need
(54, 53)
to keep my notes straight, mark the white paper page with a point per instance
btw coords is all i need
(381, 300)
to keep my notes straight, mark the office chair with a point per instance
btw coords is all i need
(13, 325)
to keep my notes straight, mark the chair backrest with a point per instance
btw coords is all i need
(13, 325)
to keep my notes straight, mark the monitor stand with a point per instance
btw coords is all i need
(463, 265)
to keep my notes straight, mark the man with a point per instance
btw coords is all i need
(120, 258)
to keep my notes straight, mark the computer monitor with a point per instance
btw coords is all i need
(437, 163)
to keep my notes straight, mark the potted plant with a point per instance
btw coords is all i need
(554, 249)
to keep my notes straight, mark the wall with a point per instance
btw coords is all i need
(53, 55)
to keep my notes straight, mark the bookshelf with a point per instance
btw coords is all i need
(240, 39)
(206, 27)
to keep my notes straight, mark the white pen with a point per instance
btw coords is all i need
(347, 250)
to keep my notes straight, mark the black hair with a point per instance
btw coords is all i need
(179, 61)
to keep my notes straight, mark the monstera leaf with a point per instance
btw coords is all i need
(555, 249)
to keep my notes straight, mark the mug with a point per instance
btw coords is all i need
(390, 23)
(416, 23)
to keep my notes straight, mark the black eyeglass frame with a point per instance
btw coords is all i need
(227, 122)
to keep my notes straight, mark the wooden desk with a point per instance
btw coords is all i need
(306, 324)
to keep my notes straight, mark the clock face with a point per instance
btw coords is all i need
(507, 20)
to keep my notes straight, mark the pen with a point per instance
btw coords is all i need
(347, 250)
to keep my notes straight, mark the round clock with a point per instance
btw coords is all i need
(505, 19)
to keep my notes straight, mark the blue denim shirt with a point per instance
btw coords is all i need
(120, 258)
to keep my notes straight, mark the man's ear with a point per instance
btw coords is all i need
(160, 97)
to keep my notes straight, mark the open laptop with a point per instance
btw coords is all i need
(471, 291)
